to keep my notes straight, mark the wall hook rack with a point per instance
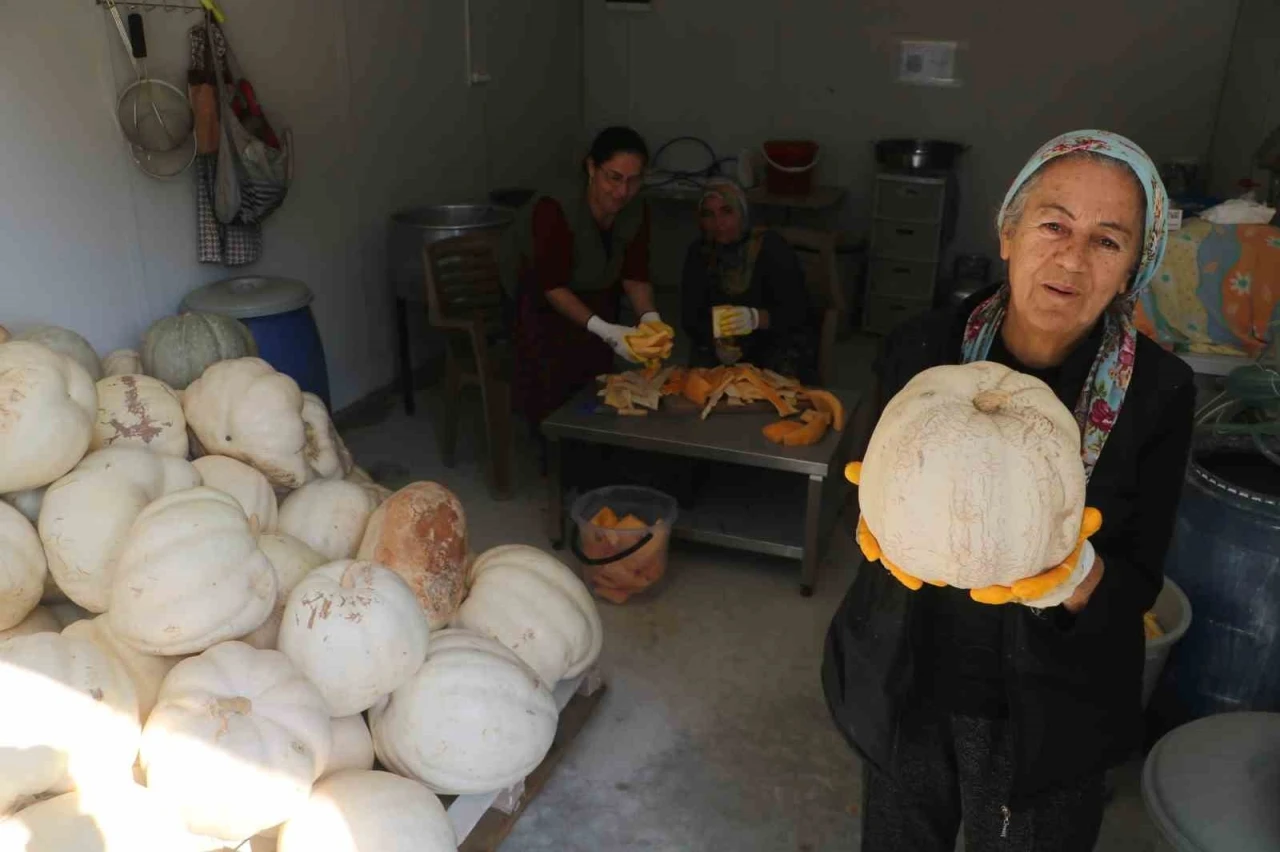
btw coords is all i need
(152, 5)
(144, 6)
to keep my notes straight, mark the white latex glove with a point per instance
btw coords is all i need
(734, 320)
(651, 316)
(615, 336)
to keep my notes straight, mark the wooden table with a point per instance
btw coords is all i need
(729, 518)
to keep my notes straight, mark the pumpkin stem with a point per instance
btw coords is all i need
(239, 704)
(990, 401)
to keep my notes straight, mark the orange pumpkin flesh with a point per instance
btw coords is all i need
(605, 518)
(776, 431)
(697, 388)
(813, 430)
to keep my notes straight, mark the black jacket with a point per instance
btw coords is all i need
(777, 285)
(1073, 683)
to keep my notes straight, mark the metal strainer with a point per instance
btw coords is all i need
(153, 115)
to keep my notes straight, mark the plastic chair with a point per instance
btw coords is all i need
(465, 300)
(816, 251)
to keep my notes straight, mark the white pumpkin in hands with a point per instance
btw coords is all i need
(69, 718)
(531, 602)
(47, 405)
(122, 817)
(291, 560)
(329, 515)
(365, 811)
(22, 567)
(147, 671)
(64, 341)
(139, 411)
(122, 362)
(87, 514)
(352, 745)
(190, 575)
(356, 630)
(250, 488)
(474, 719)
(972, 477)
(235, 741)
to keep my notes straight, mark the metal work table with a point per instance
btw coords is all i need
(728, 518)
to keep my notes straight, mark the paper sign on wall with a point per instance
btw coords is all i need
(928, 63)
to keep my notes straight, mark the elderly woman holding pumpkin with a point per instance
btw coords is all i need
(1006, 717)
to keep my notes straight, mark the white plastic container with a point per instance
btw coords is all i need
(1173, 611)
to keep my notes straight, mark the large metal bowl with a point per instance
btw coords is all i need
(918, 155)
(415, 228)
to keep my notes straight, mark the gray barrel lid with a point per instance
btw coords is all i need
(1214, 784)
(249, 296)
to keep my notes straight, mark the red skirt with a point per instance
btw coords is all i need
(554, 357)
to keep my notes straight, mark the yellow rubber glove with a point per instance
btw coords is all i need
(734, 320)
(1048, 588)
(1043, 589)
(867, 541)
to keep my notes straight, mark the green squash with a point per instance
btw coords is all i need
(178, 349)
(66, 342)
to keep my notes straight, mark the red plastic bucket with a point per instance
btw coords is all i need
(790, 166)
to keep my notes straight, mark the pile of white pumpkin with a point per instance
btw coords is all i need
(212, 623)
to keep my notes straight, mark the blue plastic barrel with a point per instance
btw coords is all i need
(1226, 557)
(278, 312)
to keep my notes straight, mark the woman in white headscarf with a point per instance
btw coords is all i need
(1005, 717)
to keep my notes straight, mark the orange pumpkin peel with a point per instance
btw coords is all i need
(823, 400)
(814, 428)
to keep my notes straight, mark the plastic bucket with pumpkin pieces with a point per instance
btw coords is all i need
(622, 537)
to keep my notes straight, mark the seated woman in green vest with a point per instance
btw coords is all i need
(755, 278)
(577, 253)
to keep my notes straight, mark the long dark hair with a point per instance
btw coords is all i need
(613, 141)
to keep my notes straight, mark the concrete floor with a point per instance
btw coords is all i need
(713, 733)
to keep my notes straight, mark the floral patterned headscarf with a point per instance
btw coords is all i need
(1104, 390)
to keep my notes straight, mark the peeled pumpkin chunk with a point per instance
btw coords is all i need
(813, 430)
(605, 518)
(776, 431)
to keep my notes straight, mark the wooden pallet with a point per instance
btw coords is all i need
(482, 821)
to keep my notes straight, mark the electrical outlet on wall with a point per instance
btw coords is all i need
(928, 63)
